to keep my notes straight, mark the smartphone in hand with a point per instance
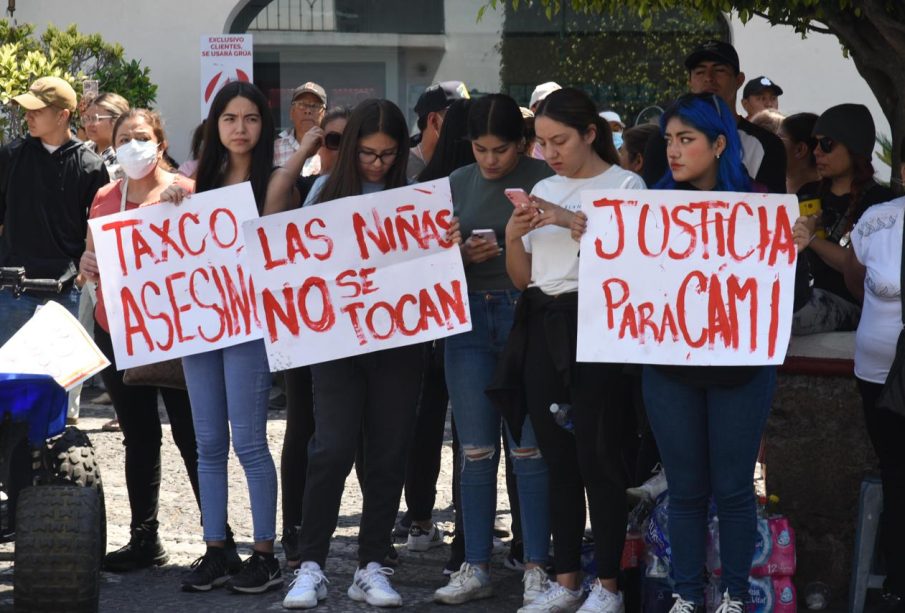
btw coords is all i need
(486, 234)
(518, 197)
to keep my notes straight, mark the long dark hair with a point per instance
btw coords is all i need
(575, 109)
(372, 116)
(634, 139)
(214, 161)
(497, 115)
(708, 114)
(453, 148)
(800, 128)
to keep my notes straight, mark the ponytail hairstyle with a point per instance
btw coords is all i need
(497, 115)
(574, 108)
(214, 162)
(800, 128)
(453, 148)
(372, 116)
(709, 114)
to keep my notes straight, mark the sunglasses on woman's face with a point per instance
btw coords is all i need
(331, 140)
(826, 144)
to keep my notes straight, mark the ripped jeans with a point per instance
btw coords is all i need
(471, 360)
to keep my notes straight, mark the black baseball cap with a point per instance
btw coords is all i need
(756, 86)
(439, 96)
(713, 51)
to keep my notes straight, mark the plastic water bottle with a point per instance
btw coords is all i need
(562, 415)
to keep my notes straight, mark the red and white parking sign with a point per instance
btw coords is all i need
(224, 58)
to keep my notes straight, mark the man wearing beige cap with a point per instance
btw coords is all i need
(309, 102)
(47, 182)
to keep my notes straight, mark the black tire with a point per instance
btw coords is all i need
(72, 460)
(58, 554)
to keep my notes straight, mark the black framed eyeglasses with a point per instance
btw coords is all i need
(369, 157)
(331, 140)
(826, 143)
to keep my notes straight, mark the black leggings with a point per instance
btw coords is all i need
(587, 460)
(136, 409)
(299, 429)
(887, 434)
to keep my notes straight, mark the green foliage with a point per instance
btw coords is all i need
(68, 54)
(621, 61)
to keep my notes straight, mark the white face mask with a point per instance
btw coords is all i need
(137, 158)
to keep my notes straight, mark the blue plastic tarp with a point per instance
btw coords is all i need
(37, 399)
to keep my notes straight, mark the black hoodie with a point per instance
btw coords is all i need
(44, 202)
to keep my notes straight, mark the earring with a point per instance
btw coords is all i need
(717, 156)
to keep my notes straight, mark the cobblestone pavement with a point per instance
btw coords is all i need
(417, 575)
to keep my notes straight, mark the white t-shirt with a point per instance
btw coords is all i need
(877, 240)
(554, 255)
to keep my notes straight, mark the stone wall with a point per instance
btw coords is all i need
(817, 452)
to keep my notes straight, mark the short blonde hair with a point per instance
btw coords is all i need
(114, 104)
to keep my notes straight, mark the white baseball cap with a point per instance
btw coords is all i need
(612, 117)
(542, 91)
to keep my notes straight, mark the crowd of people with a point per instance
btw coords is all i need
(384, 413)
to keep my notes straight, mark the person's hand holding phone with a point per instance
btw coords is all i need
(481, 246)
(550, 214)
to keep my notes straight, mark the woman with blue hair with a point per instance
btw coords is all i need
(708, 420)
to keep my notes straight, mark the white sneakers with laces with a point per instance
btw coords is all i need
(372, 585)
(680, 605)
(469, 583)
(729, 605)
(420, 539)
(535, 582)
(308, 588)
(601, 600)
(557, 599)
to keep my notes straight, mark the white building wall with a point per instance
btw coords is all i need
(165, 34)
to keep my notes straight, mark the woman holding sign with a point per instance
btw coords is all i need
(139, 140)
(230, 387)
(708, 420)
(373, 395)
(496, 132)
(542, 259)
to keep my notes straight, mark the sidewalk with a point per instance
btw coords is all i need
(417, 575)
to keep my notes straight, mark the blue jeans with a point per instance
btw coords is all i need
(229, 391)
(709, 437)
(471, 359)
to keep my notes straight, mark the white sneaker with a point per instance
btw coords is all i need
(601, 600)
(683, 606)
(372, 585)
(557, 599)
(728, 605)
(308, 587)
(650, 490)
(422, 540)
(536, 582)
(470, 582)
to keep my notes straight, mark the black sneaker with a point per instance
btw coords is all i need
(259, 574)
(142, 550)
(515, 559)
(209, 571)
(401, 529)
(290, 542)
(392, 557)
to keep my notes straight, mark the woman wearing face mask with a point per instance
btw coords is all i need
(230, 387)
(542, 260)
(496, 130)
(375, 393)
(844, 137)
(139, 140)
(708, 420)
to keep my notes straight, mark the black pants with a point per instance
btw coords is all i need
(136, 408)
(590, 460)
(375, 394)
(423, 466)
(887, 434)
(299, 429)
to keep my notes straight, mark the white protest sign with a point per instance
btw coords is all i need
(54, 343)
(687, 278)
(224, 58)
(357, 275)
(172, 279)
